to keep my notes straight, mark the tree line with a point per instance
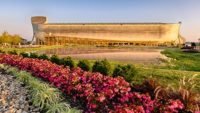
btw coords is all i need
(7, 38)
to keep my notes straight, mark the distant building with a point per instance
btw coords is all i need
(150, 34)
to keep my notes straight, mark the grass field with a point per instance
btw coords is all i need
(182, 60)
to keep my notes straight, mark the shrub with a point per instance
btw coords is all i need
(44, 57)
(128, 72)
(118, 71)
(67, 61)
(55, 59)
(24, 54)
(33, 55)
(102, 66)
(84, 65)
(1, 51)
(13, 52)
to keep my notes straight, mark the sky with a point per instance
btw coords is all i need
(15, 15)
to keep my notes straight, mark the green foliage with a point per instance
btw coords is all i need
(67, 61)
(84, 65)
(23, 76)
(14, 52)
(44, 96)
(24, 54)
(44, 57)
(102, 66)
(33, 55)
(193, 44)
(1, 51)
(55, 59)
(61, 108)
(12, 71)
(127, 71)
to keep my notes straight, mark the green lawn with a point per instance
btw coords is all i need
(182, 60)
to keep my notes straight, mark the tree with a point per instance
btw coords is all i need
(193, 44)
(6, 37)
(16, 39)
(10, 39)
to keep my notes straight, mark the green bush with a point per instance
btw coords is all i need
(84, 65)
(128, 72)
(14, 52)
(118, 71)
(33, 55)
(55, 59)
(67, 61)
(44, 57)
(24, 54)
(1, 51)
(102, 66)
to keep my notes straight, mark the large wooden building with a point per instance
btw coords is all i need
(106, 34)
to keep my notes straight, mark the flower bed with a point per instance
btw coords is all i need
(93, 91)
(43, 97)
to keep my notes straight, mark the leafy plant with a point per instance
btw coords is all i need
(55, 59)
(12, 71)
(67, 61)
(102, 66)
(23, 76)
(44, 57)
(45, 96)
(24, 54)
(59, 108)
(33, 55)
(1, 51)
(127, 71)
(84, 65)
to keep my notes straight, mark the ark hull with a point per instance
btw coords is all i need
(151, 34)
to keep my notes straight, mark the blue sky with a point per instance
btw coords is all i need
(15, 14)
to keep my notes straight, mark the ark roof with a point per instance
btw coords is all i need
(103, 23)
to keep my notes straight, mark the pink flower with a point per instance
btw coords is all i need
(102, 98)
